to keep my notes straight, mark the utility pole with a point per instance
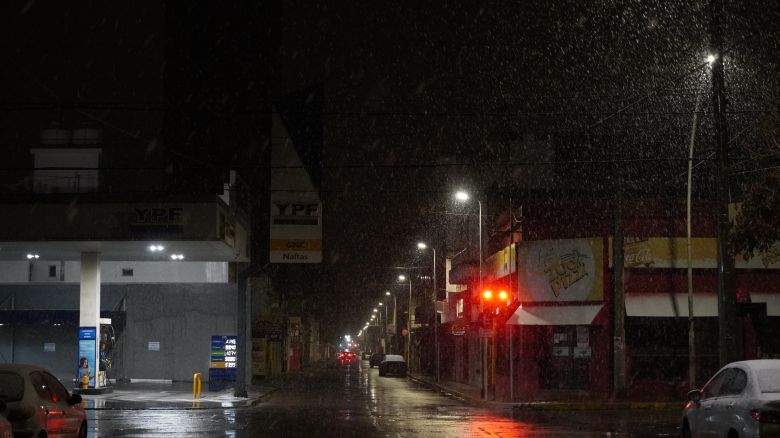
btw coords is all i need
(618, 297)
(691, 325)
(435, 316)
(727, 300)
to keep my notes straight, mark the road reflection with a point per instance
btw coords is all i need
(356, 402)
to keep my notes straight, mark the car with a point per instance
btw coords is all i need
(366, 355)
(346, 358)
(375, 360)
(37, 404)
(741, 400)
(393, 365)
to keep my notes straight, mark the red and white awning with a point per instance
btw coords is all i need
(558, 315)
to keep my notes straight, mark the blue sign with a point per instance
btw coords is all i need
(87, 333)
(87, 361)
(222, 365)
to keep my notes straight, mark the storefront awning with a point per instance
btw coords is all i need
(557, 315)
(772, 301)
(670, 305)
(676, 305)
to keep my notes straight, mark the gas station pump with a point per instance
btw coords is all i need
(95, 358)
(106, 351)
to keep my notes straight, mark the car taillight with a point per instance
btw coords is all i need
(21, 414)
(764, 416)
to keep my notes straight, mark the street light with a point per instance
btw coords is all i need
(463, 196)
(423, 246)
(402, 278)
(395, 307)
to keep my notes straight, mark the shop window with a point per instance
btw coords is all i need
(658, 349)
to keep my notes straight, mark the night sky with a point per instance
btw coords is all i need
(421, 98)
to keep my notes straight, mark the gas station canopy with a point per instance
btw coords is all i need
(198, 231)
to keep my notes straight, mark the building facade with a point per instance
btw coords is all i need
(553, 339)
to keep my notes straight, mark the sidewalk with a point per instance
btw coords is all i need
(173, 395)
(472, 394)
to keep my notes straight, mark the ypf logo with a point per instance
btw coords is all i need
(292, 213)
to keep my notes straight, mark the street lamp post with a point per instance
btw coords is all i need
(408, 322)
(463, 196)
(422, 245)
(382, 327)
(387, 293)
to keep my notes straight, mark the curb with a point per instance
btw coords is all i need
(589, 405)
(181, 405)
(585, 405)
(447, 391)
(260, 398)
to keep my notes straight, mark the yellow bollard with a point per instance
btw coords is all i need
(196, 385)
(85, 381)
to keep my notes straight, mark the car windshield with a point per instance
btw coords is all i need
(11, 386)
(769, 380)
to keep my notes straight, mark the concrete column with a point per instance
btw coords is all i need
(89, 302)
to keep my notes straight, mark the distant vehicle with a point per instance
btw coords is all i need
(741, 400)
(38, 405)
(366, 355)
(6, 429)
(346, 358)
(393, 365)
(375, 360)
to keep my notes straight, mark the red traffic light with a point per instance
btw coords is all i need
(488, 295)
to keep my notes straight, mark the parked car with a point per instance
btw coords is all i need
(37, 404)
(375, 360)
(741, 400)
(393, 365)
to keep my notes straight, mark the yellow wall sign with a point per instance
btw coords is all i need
(672, 252)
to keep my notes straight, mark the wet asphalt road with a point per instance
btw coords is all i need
(356, 402)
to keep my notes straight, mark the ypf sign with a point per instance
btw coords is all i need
(158, 220)
(296, 231)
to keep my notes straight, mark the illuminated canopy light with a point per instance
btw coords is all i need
(177, 256)
(375, 310)
(402, 277)
(33, 256)
(156, 248)
(387, 292)
(422, 245)
(460, 195)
